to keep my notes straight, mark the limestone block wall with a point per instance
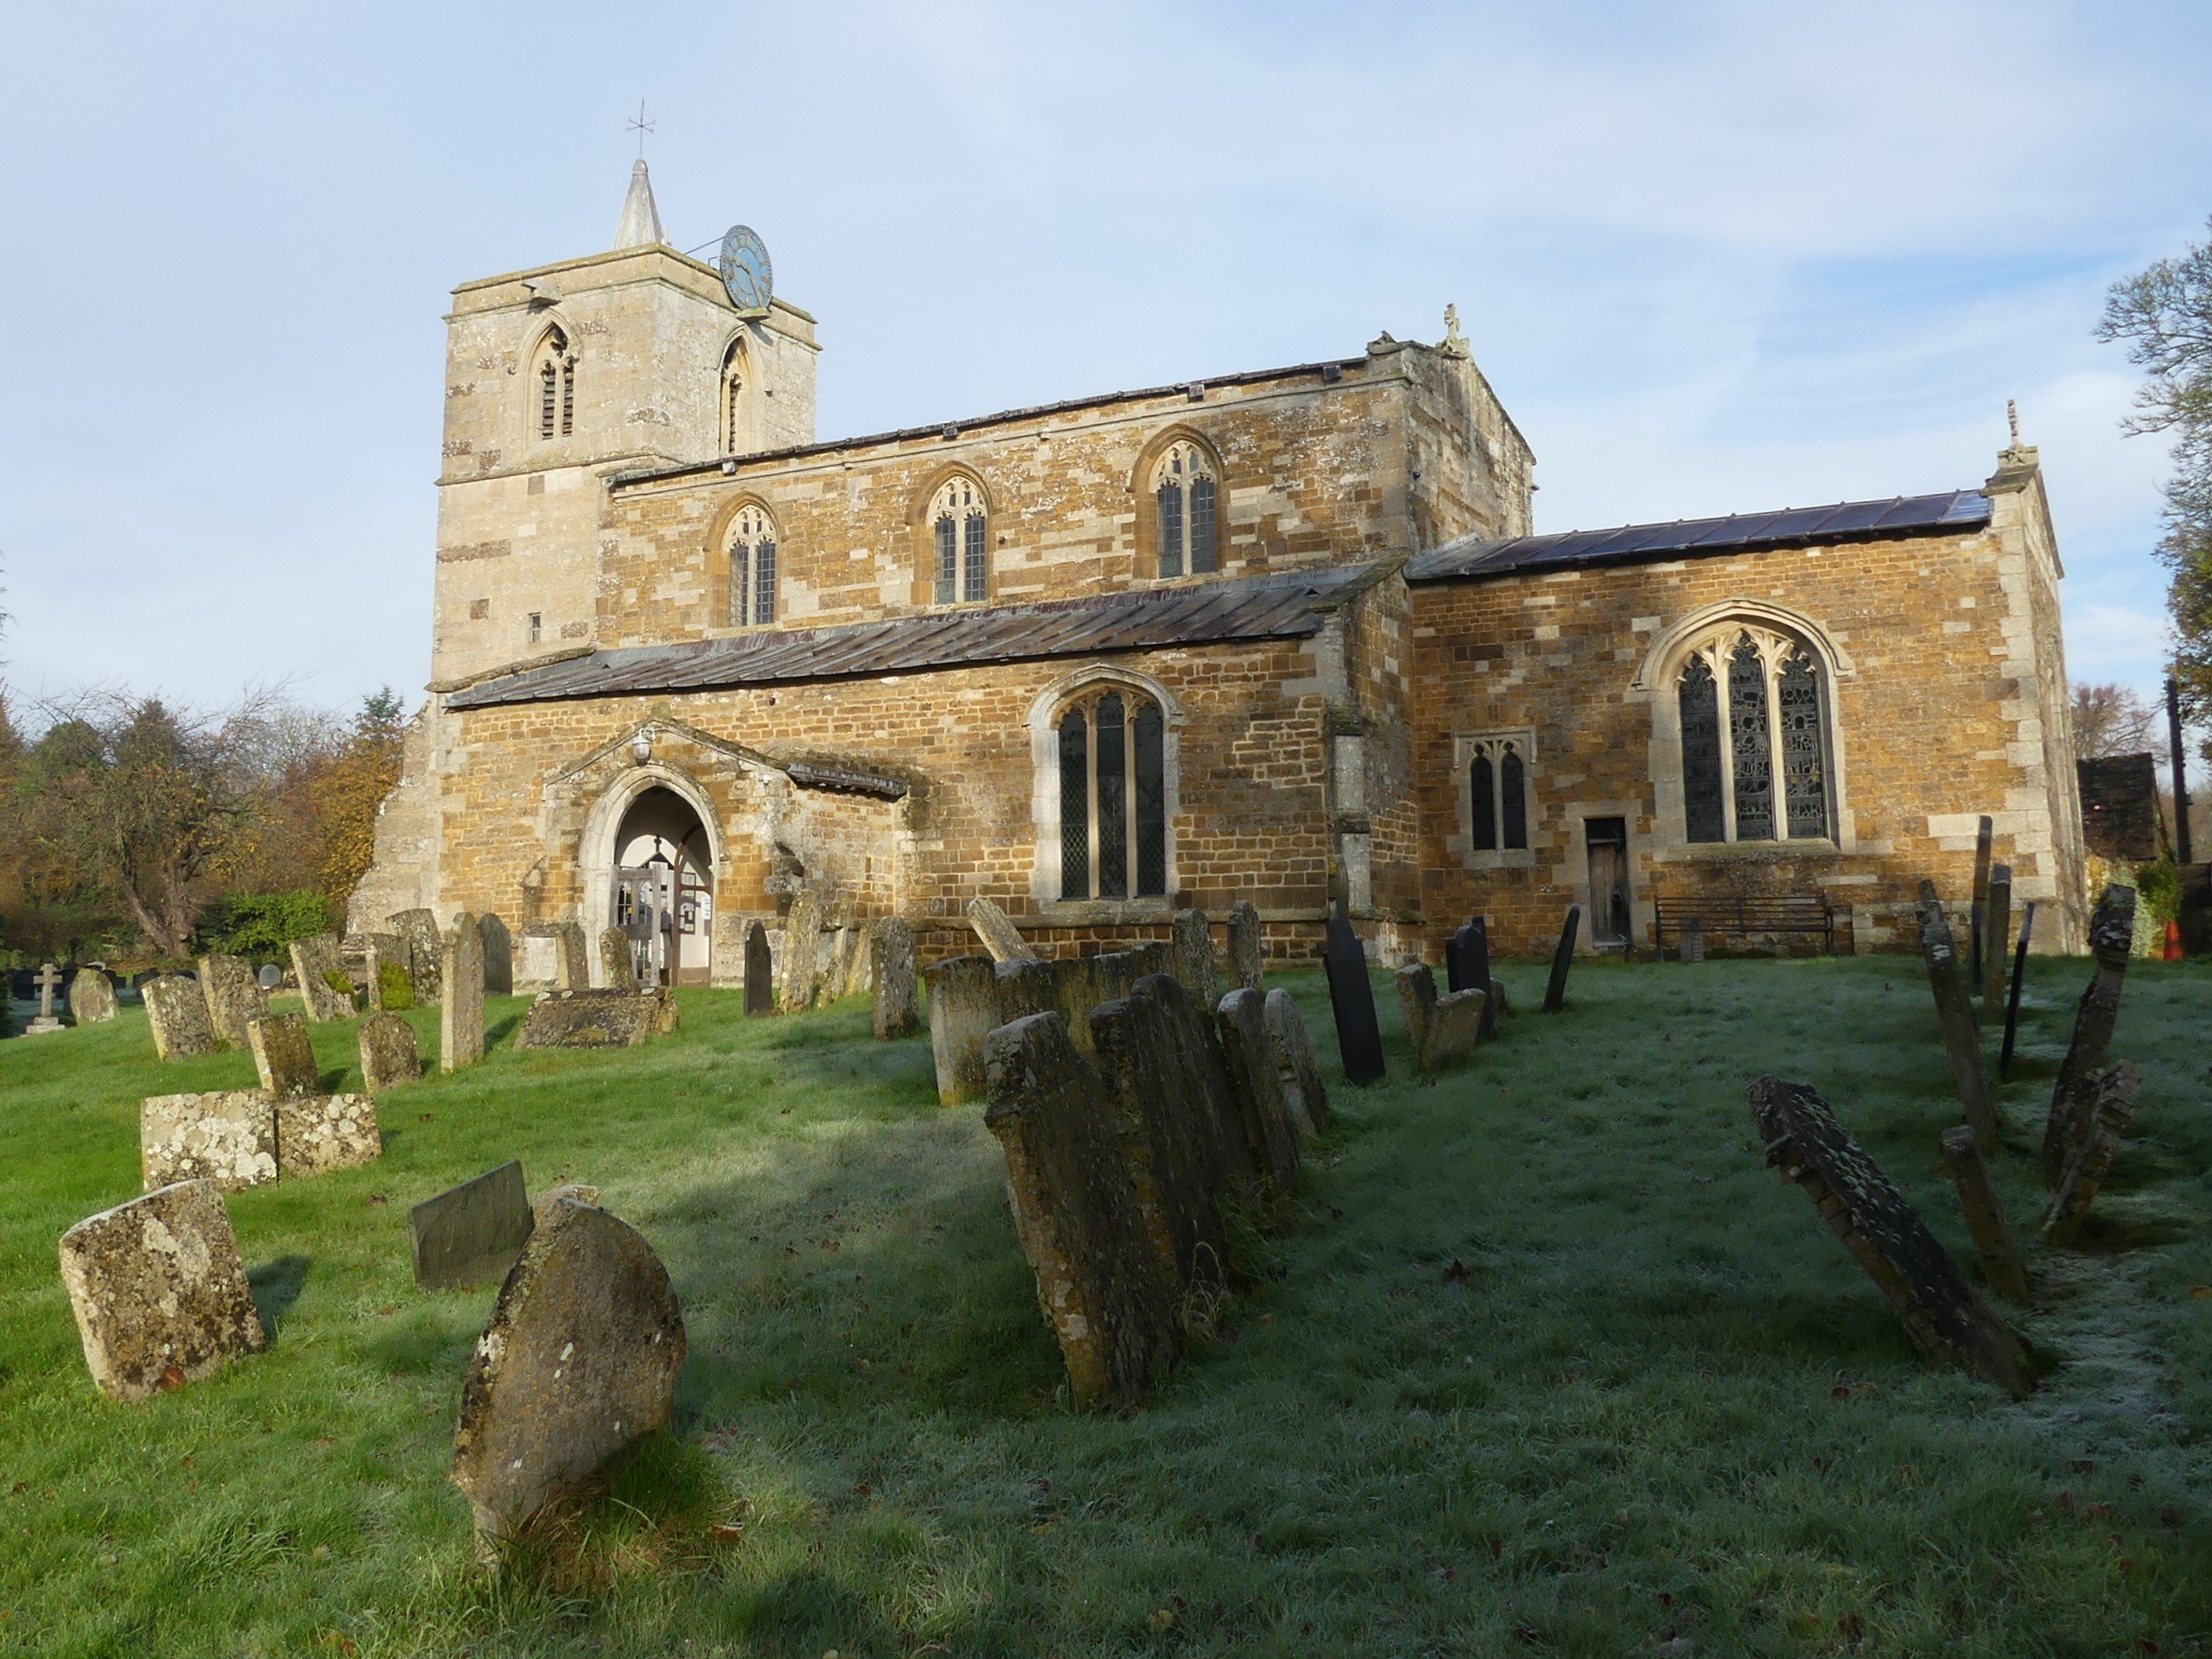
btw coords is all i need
(1468, 467)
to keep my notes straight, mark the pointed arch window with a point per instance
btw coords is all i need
(1756, 745)
(554, 375)
(1184, 494)
(1498, 792)
(1112, 755)
(752, 567)
(960, 528)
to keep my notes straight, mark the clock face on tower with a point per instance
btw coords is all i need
(747, 277)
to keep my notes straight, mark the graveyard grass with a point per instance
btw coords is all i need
(1554, 1366)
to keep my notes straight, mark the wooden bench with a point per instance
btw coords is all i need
(1806, 913)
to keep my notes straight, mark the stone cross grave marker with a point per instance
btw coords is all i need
(92, 997)
(234, 997)
(226, 1136)
(470, 1234)
(176, 1011)
(1997, 937)
(1562, 958)
(578, 1363)
(1984, 837)
(159, 1292)
(1444, 1028)
(760, 971)
(597, 1019)
(2112, 1091)
(1304, 1096)
(1191, 940)
(1942, 1312)
(995, 928)
(618, 962)
(2001, 1268)
(1954, 1013)
(1359, 1035)
(2111, 936)
(802, 962)
(461, 996)
(897, 982)
(48, 980)
(283, 1055)
(389, 1055)
(2020, 973)
(320, 970)
(1257, 1086)
(1247, 947)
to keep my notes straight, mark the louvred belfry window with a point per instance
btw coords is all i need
(752, 567)
(959, 528)
(1183, 496)
(555, 373)
(1755, 740)
(1113, 796)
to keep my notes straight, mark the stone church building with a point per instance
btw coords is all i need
(1285, 636)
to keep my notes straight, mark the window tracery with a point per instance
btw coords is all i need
(1497, 794)
(752, 567)
(1755, 738)
(555, 377)
(959, 531)
(1184, 496)
(1112, 753)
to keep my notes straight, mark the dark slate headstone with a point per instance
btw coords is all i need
(472, 1233)
(1555, 989)
(2019, 972)
(1359, 1035)
(759, 972)
(1467, 966)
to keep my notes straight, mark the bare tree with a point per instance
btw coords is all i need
(2112, 720)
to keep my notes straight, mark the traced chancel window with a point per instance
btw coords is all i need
(1114, 795)
(1183, 493)
(554, 373)
(960, 536)
(1497, 792)
(752, 567)
(1755, 738)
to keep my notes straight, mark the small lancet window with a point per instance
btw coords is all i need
(556, 387)
(733, 398)
(960, 540)
(1183, 497)
(1754, 738)
(752, 567)
(1497, 795)
(1113, 796)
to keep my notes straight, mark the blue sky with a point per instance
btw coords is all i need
(1714, 257)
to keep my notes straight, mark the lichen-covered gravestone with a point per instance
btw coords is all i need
(1954, 1013)
(324, 1133)
(1304, 1096)
(1191, 941)
(597, 1019)
(2111, 1091)
(1256, 1088)
(92, 997)
(1247, 948)
(234, 997)
(384, 965)
(471, 1234)
(1443, 1029)
(618, 962)
(461, 996)
(802, 964)
(898, 1006)
(2072, 1099)
(579, 1360)
(998, 932)
(418, 933)
(321, 972)
(389, 1054)
(283, 1055)
(159, 1292)
(176, 1011)
(963, 1008)
(229, 1137)
(1942, 1311)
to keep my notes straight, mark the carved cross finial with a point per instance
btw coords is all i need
(2012, 420)
(1454, 341)
(640, 126)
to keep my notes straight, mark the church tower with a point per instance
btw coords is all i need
(561, 376)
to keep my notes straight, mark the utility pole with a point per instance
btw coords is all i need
(2181, 777)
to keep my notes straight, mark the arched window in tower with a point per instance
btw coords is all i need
(1112, 753)
(554, 375)
(959, 531)
(752, 567)
(733, 398)
(1755, 740)
(1184, 494)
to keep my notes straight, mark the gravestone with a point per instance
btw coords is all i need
(1467, 968)
(2019, 974)
(92, 997)
(1997, 936)
(1257, 1086)
(2112, 1091)
(1444, 1028)
(498, 956)
(1954, 1013)
(1693, 939)
(384, 964)
(618, 962)
(1304, 1096)
(470, 1234)
(320, 1133)
(2111, 934)
(998, 932)
(538, 958)
(572, 962)
(2001, 1268)
(418, 931)
(802, 964)
(1099, 1283)
(176, 1011)
(1984, 832)
(159, 1292)
(1247, 948)
(389, 1055)
(234, 997)
(461, 996)
(898, 1011)
(578, 1363)
(283, 1055)
(270, 978)
(1562, 958)
(1359, 1035)
(845, 965)
(229, 1137)
(325, 990)
(48, 981)
(1192, 941)
(597, 1019)
(1942, 1312)
(759, 972)
(963, 1008)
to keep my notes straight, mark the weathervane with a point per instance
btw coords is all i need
(640, 126)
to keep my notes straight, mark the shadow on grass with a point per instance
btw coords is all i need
(276, 1286)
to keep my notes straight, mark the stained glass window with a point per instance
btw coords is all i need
(1699, 699)
(1750, 743)
(1482, 801)
(1075, 805)
(1804, 759)
(1512, 799)
(1149, 731)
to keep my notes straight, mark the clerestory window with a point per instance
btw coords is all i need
(752, 567)
(960, 540)
(1755, 738)
(555, 375)
(1114, 795)
(1184, 498)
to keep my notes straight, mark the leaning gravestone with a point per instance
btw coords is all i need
(1954, 1012)
(1257, 1086)
(388, 1054)
(324, 1132)
(618, 962)
(159, 1292)
(418, 931)
(1191, 942)
(579, 1361)
(1444, 1028)
(802, 964)
(461, 996)
(898, 1011)
(1248, 949)
(1304, 1096)
(1997, 936)
(1359, 1035)
(998, 932)
(760, 971)
(234, 997)
(176, 1010)
(229, 1137)
(597, 1019)
(963, 1008)
(2112, 1091)
(572, 963)
(324, 987)
(2111, 934)
(472, 1233)
(1562, 958)
(2001, 1267)
(92, 997)
(283, 1055)
(1985, 833)
(1099, 1282)
(1942, 1312)
(2019, 974)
